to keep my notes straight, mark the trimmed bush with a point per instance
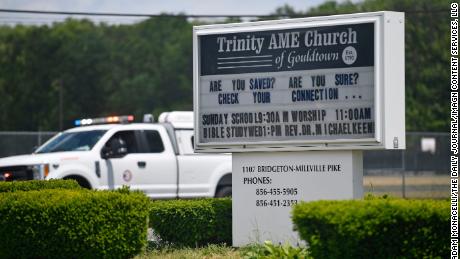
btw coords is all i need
(38, 185)
(376, 228)
(72, 224)
(193, 222)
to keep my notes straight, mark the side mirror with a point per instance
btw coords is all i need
(106, 152)
(115, 148)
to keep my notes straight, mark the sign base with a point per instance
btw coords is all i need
(267, 184)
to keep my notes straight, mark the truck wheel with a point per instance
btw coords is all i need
(81, 181)
(224, 191)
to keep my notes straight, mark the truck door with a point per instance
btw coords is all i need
(159, 174)
(146, 166)
(121, 170)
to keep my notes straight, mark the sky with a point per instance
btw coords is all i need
(191, 7)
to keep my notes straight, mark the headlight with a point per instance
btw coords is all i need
(40, 171)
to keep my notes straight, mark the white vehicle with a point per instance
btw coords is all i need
(157, 158)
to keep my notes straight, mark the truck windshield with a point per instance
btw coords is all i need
(72, 141)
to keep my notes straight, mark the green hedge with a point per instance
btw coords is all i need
(72, 224)
(38, 185)
(193, 222)
(376, 228)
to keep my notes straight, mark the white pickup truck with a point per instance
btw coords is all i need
(157, 158)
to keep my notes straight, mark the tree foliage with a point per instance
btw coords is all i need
(100, 69)
(427, 56)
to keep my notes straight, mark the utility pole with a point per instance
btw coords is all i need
(61, 95)
(403, 152)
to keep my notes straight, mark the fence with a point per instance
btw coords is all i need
(420, 171)
(18, 143)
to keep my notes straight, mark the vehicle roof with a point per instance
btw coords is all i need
(111, 126)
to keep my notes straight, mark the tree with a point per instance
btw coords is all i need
(146, 67)
(427, 56)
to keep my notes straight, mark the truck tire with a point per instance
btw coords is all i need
(224, 191)
(81, 181)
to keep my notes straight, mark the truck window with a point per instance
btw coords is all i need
(185, 141)
(129, 138)
(73, 141)
(154, 142)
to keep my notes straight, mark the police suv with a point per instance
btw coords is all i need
(157, 158)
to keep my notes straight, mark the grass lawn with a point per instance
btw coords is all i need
(211, 251)
(267, 250)
(434, 187)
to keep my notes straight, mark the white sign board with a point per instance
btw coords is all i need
(265, 190)
(319, 83)
(325, 87)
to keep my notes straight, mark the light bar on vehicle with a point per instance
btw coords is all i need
(105, 120)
